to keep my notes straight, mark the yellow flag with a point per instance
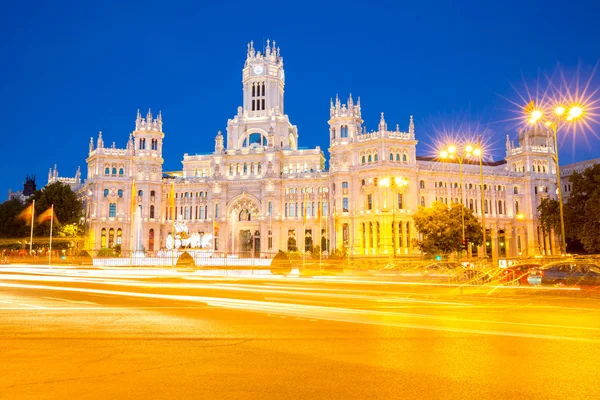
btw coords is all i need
(133, 194)
(173, 216)
(47, 216)
(305, 208)
(26, 214)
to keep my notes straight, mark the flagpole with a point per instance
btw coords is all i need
(31, 234)
(320, 241)
(173, 222)
(51, 221)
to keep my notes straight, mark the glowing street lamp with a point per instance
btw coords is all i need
(396, 182)
(453, 153)
(557, 120)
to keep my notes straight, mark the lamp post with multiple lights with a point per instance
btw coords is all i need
(557, 119)
(396, 182)
(451, 153)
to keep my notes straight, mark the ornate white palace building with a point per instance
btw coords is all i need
(259, 192)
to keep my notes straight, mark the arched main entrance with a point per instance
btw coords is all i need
(244, 226)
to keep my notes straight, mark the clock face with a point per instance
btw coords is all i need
(258, 69)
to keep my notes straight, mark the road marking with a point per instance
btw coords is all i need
(71, 301)
(32, 305)
(5, 302)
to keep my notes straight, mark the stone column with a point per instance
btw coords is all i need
(385, 227)
(404, 237)
(494, 242)
(367, 237)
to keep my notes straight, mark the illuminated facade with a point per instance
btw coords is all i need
(258, 193)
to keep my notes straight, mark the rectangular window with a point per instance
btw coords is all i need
(400, 201)
(216, 243)
(346, 234)
(345, 204)
(112, 210)
(270, 242)
(369, 202)
(216, 210)
(270, 208)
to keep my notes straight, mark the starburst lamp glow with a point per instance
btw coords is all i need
(575, 112)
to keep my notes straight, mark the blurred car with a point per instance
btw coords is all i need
(517, 274)
(576, 272)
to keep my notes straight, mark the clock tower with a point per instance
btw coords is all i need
(263, 79)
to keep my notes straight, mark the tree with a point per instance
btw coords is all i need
(441, 228)
(10, 225)
(549, 210)
(68, 208)
(582, 211)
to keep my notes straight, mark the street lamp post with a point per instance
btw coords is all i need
(396, 182)
(453, 153)
(560, 116)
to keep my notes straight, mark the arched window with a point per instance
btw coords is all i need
(344, 131)
(391, 157)
(259, 168)
(369, 158)
(112, 210)
(363, 182)
(404, 158)
(114, 171)
(257, 138)
(516, 207)
(120, 192)
(111, 237)
(121, 171)
(516, 190)
(422, 184)
(344, 185)
(333, 133)
(363, 159)
(376, 157)
(103, 238)
(140, 193)
(151, 240)
(422, 201)
(105, 192)
(152, 211)
(152, 194)
(119, 236)
(270, 208)
(230, 169)
(107, 171)
(245, 168)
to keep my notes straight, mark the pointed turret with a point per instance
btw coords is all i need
(100, 143)
(78, 175)
(382, 124)
(91, 144)
(411, 127)
(219, 142)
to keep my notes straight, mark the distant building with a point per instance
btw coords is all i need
(74, 183)
(28, 189)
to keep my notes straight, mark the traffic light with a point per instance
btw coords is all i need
(438, 258)
(464, 244)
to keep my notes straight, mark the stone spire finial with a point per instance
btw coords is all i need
(382, 124)
(350, 102)
(411, 126)
(149, 117)
(100, 143)
(78, 175)
(91, 144)
(268, 48)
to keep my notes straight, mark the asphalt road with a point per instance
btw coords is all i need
(146, 334)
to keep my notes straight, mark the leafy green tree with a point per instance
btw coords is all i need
(68, 208)
(10, 225)
(549, 211)
(583, 208)
(441, 228)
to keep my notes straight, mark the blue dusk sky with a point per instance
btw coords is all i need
(72, 68)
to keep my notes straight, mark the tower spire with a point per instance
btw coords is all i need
(411, 126)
